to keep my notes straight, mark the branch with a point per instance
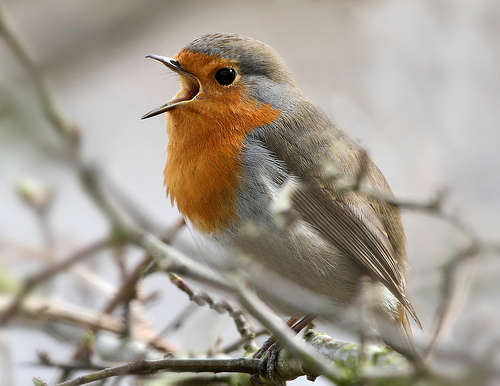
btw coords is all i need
(148, 367)
(354, 362)
(126, 291)
(201, 298)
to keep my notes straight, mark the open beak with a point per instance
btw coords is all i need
(190, 86)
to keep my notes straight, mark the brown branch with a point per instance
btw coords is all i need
(148, 367)
(453, 272)
(126, 291)
(434, 205)
(170, 260)
(46, 360)
(373, 363)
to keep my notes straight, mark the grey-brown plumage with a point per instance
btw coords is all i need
(339, 236)
(362, 229)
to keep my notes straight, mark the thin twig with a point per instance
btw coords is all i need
(243, 324)
(44, 359)
(125, 293)
(450, 299)
(169, 259)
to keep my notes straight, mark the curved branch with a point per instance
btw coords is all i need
(148, 367)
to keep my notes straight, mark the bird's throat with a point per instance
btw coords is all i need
(203, 168)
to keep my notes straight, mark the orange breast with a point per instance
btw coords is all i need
(204, 155)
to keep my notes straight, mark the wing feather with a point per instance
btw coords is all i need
(356, 230)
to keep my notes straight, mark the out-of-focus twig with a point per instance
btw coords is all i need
(239, 343)
(453, 292)
(43, 309)
(31, 282)
(46, 360)
(125, 292)
(140, 216)
(180, 319)
(456, 275)
(52, 111)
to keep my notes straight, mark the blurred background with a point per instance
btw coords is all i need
(418, 83)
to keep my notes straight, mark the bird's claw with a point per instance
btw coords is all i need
(268, 355)
(271, 359)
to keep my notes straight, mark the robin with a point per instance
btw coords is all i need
(242, 137)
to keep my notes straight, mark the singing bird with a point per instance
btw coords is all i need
(242, 135)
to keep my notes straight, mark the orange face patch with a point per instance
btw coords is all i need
(205, 143)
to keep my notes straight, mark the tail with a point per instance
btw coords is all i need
(396, 333)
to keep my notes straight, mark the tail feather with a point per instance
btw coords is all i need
(398, 335)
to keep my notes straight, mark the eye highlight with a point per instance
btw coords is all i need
(225, 76)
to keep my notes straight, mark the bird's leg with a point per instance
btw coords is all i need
(270, 350)
(303, 323)
(271, 340)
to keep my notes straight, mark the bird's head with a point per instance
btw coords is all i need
(220, 71)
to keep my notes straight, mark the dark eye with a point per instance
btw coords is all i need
(225, 76)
